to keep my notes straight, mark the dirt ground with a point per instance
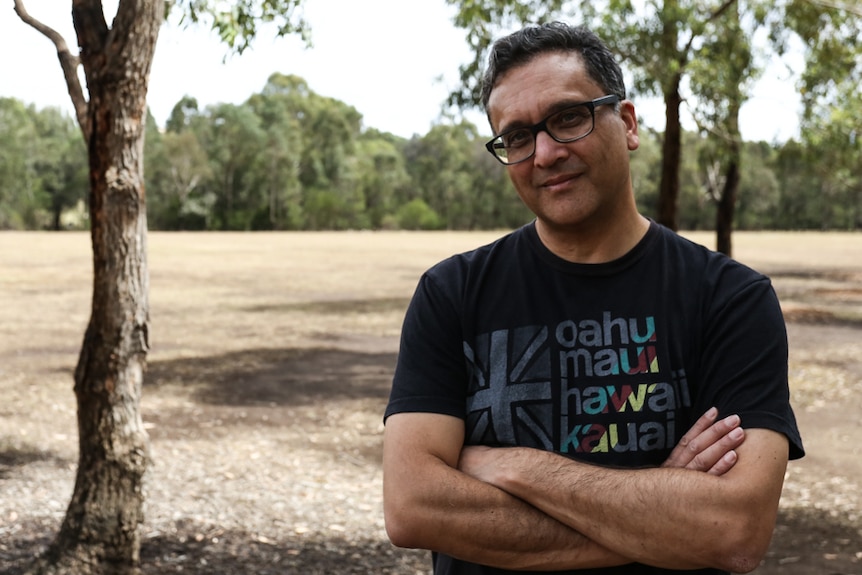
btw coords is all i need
(271, 361)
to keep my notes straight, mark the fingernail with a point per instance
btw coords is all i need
(712, 412)
(732, 419)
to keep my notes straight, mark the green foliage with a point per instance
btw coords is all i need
(484, 21)
(43, 168)
(290, 159)
(237, 23)
(417, 215)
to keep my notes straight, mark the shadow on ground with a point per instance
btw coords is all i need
(813, 542)
(805, 543)
(278, 377)
(12, 457)
(218, 552)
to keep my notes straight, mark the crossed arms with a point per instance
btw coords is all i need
(712, 504)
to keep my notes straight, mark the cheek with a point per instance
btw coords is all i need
(520, 174)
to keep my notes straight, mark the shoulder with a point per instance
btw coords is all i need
(702, 265)
(458, 268)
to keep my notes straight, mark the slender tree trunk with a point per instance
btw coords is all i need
(668, 197)
(726, 207)
(725, 212)
(100, 533)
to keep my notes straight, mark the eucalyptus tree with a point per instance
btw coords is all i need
(18, 147)
(318, 137)
(495, 203)
(721, 77)
(831, 33)
(758, 207)
(178, 173)
(100, 532)
(378, 172)
(59, 162)
(233, 140)
(280, 160)
(330, 131)
(441, 165)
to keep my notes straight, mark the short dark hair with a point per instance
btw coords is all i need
(522, 46)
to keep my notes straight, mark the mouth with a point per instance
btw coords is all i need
(558, 182)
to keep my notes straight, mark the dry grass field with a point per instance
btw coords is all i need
(269, 370)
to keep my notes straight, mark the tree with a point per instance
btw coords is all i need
(233, 140)
(18, 181)
(832, 36)
(60, 163)
(177, 171)
(100, 532)
(719, 78)
(379, 172)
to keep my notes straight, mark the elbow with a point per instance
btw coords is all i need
(401, 527)
(744, 551)
(742, 562)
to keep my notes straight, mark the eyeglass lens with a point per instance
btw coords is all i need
(564, 126)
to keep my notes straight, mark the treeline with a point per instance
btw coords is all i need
(291, 159)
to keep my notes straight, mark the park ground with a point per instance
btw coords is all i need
(271, 359)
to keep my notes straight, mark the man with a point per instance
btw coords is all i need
(572, 397)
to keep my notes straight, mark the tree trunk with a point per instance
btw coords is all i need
(100, 533)
(726, 206)
(724, 213)
(727, 202)
(668, 197)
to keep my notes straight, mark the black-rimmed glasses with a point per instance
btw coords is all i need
(568, 125)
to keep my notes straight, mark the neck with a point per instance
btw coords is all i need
(593, 242)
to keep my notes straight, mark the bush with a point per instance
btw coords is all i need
(417, 215)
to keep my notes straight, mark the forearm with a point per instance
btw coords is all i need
(672, 518)
(624, 517)
(452, 513)
(430, 504)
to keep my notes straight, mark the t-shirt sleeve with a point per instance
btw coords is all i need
(430, 374)
(745, 358)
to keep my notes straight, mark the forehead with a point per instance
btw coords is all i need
(525, 93)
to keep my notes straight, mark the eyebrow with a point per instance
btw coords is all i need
(550, 111)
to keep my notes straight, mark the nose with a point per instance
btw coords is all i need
(548, 150)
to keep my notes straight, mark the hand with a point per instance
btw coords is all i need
(709, 445)
(477, 461)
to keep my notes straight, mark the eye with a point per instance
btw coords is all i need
(570, 117)
(516, 138)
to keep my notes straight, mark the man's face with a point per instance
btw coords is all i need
(586, 181)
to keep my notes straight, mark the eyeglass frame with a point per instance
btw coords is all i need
(542, 126)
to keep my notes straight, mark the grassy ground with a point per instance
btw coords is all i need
(270, 362)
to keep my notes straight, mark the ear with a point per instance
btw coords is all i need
(630, 120)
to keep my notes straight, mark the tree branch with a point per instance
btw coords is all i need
(838, 6)
(68, 62)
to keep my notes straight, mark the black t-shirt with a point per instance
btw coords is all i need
(607, 363)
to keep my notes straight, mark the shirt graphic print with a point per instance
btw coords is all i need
(587, 386)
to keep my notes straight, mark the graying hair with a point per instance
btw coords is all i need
(522, 46)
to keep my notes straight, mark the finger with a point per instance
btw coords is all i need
(702, 424)
(724, 464)
(701, 448)
(714, 454)
(680, 457)
(712, 435)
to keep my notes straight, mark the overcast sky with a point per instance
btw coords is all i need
(393, 60)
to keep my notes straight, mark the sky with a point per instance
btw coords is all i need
(394, 61)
